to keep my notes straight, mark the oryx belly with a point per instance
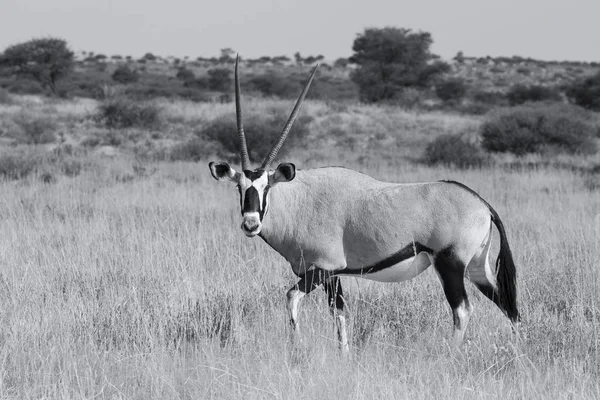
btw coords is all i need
(401, 271)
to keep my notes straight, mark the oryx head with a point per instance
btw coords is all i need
(254, 184)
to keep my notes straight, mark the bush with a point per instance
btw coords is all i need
(185, 75)
(451, 90)
(24, 162)
(261, 133)
(274, 84)
(219, 79)
(452, 150)
(125, 113)
(520, 94)
(5, 97)
(586, 93)
(537, 129)
(16, 165)
(123, 74)
(193, 150)
(36, 129)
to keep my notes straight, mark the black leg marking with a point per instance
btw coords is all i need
(335, 295)
(490, 293)
(309, 282)
(452, 271)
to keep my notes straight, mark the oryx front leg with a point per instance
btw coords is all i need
(309, 282)
(335, 296)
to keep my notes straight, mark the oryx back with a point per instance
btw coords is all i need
(344, 221)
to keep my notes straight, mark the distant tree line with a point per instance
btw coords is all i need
(387, 65)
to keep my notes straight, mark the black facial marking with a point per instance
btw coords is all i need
(408, 251)
(251, 200)
(264, 203)
(254, 175)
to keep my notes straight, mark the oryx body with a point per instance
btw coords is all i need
(331, 222)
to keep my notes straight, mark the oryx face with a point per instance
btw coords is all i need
(253, 188)
(254, 185)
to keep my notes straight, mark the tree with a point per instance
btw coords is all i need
(46, 60)
(391, 59)
(226, 55)
(341, 63)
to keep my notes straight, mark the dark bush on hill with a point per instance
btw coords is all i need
(520, 94)
(453, 150)
(274, 84)
(586, 93)
(261, 133)
(125, 113)
(540, 129)
(219, 79)
(451, 89)
(185, 75)
(123, 74)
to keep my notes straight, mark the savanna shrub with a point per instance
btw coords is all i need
(36, 129)
(219, 79)
(520, 94)
(194, 149)
(17, 165)
(453, 150)
(121, 113)
(5, 97)
(261, 133)
(20, 163)
(451, 89)
(275, 85)
(586, 93)
(539, 129)
(185, 74)
(123, 74)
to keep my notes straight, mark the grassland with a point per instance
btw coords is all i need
(131, 279)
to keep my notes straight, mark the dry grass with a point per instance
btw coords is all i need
(145, 288)
(122, 282)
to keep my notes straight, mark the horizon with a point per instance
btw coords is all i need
(549, 30)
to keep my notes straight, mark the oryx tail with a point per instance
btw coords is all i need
(506, 272)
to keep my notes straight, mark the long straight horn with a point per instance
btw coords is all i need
(269, 159)
(240, 126)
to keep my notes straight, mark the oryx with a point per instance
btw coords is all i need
(331, 222)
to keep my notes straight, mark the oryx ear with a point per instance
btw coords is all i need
(284, 173)
(221, 171)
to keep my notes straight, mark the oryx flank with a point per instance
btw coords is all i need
(331, 222)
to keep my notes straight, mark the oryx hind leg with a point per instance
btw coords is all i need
(335, 297)
(451, 271)
(309, 282)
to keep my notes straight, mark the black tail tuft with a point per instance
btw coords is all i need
(506, 273)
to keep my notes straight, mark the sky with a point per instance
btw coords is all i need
(541, 29)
